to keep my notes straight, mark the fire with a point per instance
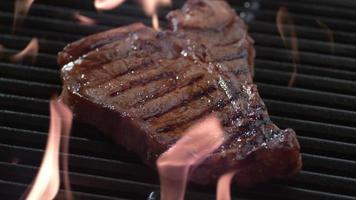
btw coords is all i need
(150, 8)
(197, 143)
(155, 22)
(1, 50)
(15, 161)
(223, 187)
(46, 183)
(21, 9)
(31, 50)
(66, 120)
(84, 19)
(283, 18)
(329, 34)
(107, 4)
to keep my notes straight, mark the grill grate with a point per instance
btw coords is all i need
(320, 107)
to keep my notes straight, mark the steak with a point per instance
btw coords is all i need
(144, 88)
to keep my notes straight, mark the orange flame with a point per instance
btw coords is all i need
(150, 8)
(21, 9)
(197, 143)
(223, 187)
(107, 4)
(31, 50)
(84, 19)
(46, 184)
(329, 34)
(283, 18)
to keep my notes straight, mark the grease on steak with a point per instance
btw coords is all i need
(144, 88)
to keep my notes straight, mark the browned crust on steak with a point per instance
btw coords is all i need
(145, 88)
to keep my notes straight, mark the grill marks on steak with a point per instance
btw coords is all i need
(81, 47)
(157, 84)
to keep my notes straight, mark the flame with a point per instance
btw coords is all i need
(21, 9)
(66, 120)
(197, 143)
(1, 50)
(15, 161)
(223, 187)
(329, 34)
(283, 18)
(46, 184)
(150, 8)
(84, 19)
(107, 4)
(31, 50)
(155, 22)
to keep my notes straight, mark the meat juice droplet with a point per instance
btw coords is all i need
(184, 53)
(153, 196)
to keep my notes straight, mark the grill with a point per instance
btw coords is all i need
(320, 106)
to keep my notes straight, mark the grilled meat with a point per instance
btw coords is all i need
(144, 88)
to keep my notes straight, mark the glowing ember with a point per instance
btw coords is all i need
(197, 143)
(31, 50)
(283, 19)
(21, 9)
(46, 184)
(107, 4)
(223, 187)
(150, 8)
(84, 19)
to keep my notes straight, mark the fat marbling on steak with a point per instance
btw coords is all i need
(145, 87)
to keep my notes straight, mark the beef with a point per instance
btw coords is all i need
(144, 87)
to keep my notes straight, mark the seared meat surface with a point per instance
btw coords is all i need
(145, 87)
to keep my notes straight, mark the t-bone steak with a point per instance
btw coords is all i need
(144, 88)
